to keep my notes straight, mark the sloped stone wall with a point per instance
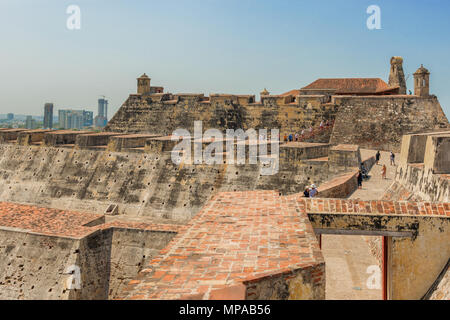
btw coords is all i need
(147, 114)
(380, 122)
(141, 184)
(33, 266)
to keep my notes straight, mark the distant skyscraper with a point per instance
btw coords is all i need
(103, 108)
(62, 119)
(102, 118)
(48, 116)
(88, 118)
(30, 123)
(75, 119)
(10, 116)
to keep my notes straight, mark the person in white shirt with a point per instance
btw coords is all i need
(313, 191)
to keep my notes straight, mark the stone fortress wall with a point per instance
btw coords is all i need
(423, 168)
(142, 181)
(376, 122)
(163, 113)
(126, 179)
(41, 262)
(366, 111)
(380, 122)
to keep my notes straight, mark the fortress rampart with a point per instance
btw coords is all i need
(424, 168)
(142, 181)
(376, 122)
(162, 114)
(164, 229)
(380, 122)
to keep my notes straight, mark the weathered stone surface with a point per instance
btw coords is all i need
(165, 113)
(380, 122)
(396, 74)
(145, 184)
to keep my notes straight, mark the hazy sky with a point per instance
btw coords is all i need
(208, 46)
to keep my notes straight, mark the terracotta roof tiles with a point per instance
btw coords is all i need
(351, 85)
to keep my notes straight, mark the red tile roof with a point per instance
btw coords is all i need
(351, 85)
(294, 93)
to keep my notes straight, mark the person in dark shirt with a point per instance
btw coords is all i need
(377, 156)
(392, 159)
(306, 193)
(360, 178)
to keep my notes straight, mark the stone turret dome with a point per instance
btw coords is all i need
(422, 70)
(144, 76)
(264, 92)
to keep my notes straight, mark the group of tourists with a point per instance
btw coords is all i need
(383, 168)
(311, 192)
(305, 133)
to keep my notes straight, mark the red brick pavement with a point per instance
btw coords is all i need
(65, 223)
(238, 237)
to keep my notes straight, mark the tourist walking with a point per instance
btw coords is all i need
(285, 137)
(383, 172)
(360, 178)
(377, 156)
(392, 159)
(296, 136)
(290, 137)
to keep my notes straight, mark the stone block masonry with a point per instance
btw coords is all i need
(9, 135)
(145, 185)
(94, 139)
(257, 239)
(424, 168)
(43, 249)
(261, 242)
(379, 122)
(127, 142)
(61, 137)
(163, 113)
(26, 138)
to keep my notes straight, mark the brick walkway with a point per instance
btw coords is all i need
(237, 237)
(348, 257)
(64, 223)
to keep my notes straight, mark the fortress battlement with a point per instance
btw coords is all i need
(138, 220)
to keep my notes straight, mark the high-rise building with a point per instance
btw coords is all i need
(103, 108)
(88, 118)
(102, 118)
(62, 119)
(30, 123)
(10, 116)
(75, 119)
(48, 116)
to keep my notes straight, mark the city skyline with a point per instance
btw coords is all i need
(280, 46)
